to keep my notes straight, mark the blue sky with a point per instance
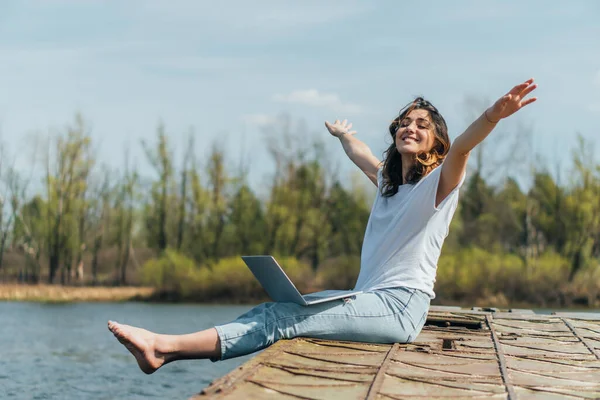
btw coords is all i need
(230, 69)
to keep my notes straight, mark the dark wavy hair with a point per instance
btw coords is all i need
(425, 162)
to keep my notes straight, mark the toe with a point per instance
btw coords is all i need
(116, 330)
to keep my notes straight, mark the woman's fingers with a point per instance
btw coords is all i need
(528, 90)
(339, 125)
(514, 100)
(519, 88)
(528, 101)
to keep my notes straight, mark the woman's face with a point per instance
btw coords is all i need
(415, 133)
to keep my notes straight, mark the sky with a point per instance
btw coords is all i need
(231, 70)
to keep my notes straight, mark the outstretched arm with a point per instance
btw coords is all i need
(455, 163)
(357, 151)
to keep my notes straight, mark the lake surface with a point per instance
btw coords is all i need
(65, 351)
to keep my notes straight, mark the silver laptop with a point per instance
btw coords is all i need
(280, 288)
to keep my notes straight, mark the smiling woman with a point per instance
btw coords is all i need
(418, 194)
(420, 144)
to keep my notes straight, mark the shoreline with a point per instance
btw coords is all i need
(45, 293)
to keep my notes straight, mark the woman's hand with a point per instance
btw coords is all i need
(511, 102)
(338, 128)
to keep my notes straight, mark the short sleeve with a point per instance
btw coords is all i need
(427, 191)
(450, 198)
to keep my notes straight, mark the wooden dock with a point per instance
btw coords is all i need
(478, 353)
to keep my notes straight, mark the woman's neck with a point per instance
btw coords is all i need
(407, 163)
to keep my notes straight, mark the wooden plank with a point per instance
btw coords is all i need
(579, 315)
(501, 361)
(583, 340)
(380, 376)
(240, 374)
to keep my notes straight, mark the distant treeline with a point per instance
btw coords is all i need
(191, 222)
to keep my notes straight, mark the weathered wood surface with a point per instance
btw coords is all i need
(479, 353)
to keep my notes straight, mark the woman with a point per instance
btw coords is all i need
(418, 192)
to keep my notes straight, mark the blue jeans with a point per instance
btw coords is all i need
(380, 316)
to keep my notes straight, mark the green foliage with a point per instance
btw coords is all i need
(299, 272)
(229, 279)
(338, 273)
(549, 211)
(170, 272)
(546, 278)
(347, 215)
(247, 221)
(585, 288)
(157, 206)
(475, 274)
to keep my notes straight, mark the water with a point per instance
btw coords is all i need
(64, 351)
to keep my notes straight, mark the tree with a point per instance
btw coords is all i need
(100, 215)
(30, 235)
(478, 214)
(124, 213)
(511, 206)
(218, 185)
(198, 216)
(583, 203)
(66, 185)
(246, 216)
(548, 212)
(183, 194)
(157, 209)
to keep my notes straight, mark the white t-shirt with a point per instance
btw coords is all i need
(405, 234)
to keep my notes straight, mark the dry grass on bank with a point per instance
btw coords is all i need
(57, 293)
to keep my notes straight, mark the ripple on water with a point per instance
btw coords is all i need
(137, 391)
(176, 369)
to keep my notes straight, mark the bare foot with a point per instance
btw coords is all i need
(141, 343)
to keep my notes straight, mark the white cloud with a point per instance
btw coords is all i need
(314, 98)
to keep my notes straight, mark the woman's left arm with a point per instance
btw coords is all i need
(455, 164)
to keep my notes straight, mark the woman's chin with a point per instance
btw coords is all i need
(406, 150)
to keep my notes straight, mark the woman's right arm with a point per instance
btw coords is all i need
(357, 151)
